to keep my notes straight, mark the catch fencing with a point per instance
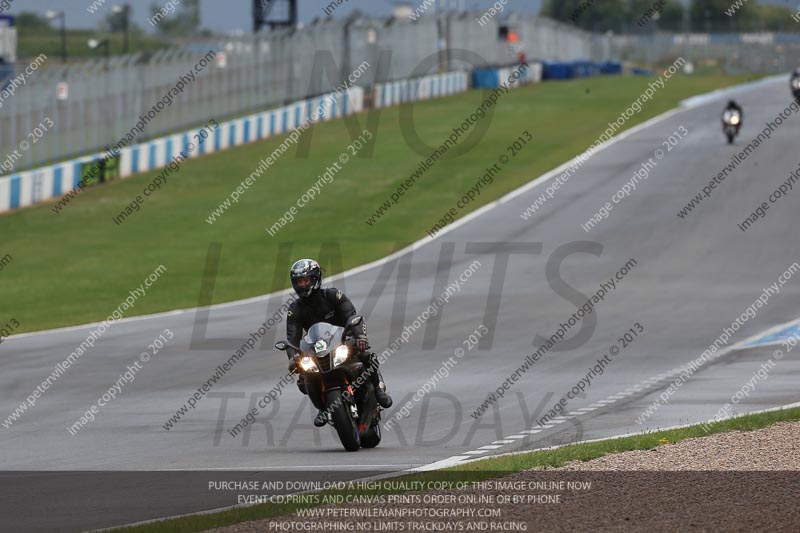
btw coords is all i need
(94, 103)
(30, 187)
(733, 52)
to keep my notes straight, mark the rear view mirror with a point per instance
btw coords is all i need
(355, 322)
(282, 345)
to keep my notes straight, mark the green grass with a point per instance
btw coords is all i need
(77, 266)
(488, 468)
(31, 43)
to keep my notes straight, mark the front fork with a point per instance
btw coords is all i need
(348, 397)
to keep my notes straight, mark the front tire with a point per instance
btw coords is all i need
(346, 427)
(372, 436)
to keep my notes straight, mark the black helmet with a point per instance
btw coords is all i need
(306, 277)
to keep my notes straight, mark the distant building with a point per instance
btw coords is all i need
(8, 47)
(403, 10)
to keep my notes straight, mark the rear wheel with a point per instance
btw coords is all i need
(346, 427)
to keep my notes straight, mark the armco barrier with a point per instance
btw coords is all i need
(33, 186)
(433, 86)
(492, 78)
(560, 70)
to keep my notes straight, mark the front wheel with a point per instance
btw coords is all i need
(731, 137)
(346, 427)
(372, 436)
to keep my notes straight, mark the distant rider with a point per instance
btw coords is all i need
(795, 83)
(733, 106)
(329, 305)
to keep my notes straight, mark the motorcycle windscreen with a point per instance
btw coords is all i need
(322, 337)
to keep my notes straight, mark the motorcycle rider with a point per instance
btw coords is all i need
(330, 305)
(733, 106)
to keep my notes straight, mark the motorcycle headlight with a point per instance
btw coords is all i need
(735, 119)
(308, 364)
(340, 355)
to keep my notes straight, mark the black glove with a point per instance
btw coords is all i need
(362, 343)
(292, 365)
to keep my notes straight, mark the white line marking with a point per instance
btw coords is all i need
(677, 370)
(789, 406)
(535, 182)
(719, 94)
(450, 461)
(255, 468)
(771, 331)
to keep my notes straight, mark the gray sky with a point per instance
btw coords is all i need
(231, 15)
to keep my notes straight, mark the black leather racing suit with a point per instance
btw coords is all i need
(325, 305)
(735, 107)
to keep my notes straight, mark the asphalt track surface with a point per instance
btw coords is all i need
(693, 277)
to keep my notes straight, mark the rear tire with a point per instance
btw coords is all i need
(372, 436)
(346, 427)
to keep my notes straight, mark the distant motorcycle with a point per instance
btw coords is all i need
(731, 122)
(794, 83)
(327, 359)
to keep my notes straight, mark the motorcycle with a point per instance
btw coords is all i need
(731, 122)
(794, 83)
(327, 358)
